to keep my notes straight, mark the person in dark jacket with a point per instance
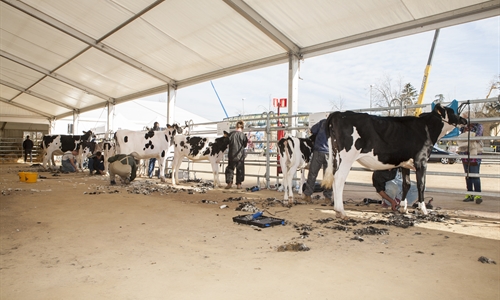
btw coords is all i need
(96, 163)
(236, 156)
(319, 160)
(28, 148)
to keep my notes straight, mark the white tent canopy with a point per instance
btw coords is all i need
(58, 58)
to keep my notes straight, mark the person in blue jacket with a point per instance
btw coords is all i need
(319, 160)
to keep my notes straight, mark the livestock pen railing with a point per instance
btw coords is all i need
(11, 150)
(262, 165)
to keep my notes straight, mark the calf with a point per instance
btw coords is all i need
(58, 144)
(147, 144)
(86, 149)
(295, 154)
(108, 148)
(199, 148)
(380, 143)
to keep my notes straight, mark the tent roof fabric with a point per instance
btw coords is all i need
(57, 57)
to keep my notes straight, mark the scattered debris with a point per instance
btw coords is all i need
(302, 227)
(323, 221)
(293, 247)
(231, 199)
(304, 234)
(208, 201)
(247, 206)
(370, 230)
(339, 227)
(486, 260)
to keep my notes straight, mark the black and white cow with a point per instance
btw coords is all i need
(86, 149)
(147, 144)
(108, 148)
(199, 148)
(58, 144)
(295, 154)
(380, 143)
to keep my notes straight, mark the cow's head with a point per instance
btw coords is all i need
(449, 116)
(88, 135)
(221, 143)
(171, 131)
(175, 128)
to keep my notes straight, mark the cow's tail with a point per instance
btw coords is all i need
(328, 177)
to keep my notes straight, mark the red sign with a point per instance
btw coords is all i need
(279, 102)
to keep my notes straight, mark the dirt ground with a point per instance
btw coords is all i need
(73, 236)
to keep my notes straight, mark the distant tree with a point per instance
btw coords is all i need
(492, 109)
(439, 98)
(389, 92)
(337, 104)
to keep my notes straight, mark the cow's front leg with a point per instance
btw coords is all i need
(405, 174)
(302, 180)
(420, 172)
(161, 166)
(403, 206)
(215, 172)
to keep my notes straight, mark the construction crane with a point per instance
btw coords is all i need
(418, 111)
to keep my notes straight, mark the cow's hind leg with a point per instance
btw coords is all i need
(289, 184)
(338, 192)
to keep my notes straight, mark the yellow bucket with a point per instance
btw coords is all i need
(22, 178)
(31, 177)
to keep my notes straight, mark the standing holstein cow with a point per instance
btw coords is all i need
(57, 144)
(199, 148)
(147, 144)
(295, 154)
(381, 143)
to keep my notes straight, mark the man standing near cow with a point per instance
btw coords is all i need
(124, 166)
(28, 148)
(471, 165)
(152, 161)
(236, 156)
(319, 160)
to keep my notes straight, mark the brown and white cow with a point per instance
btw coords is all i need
(57, 144)
(295, 154)
(380, 143)
(147, 144)
(199, 148)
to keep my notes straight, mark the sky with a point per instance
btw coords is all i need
(466, 60)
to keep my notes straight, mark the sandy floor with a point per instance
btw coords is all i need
(75, 237)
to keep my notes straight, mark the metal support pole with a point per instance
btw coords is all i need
(268, 155)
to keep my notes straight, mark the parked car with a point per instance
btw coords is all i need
(444, 160)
